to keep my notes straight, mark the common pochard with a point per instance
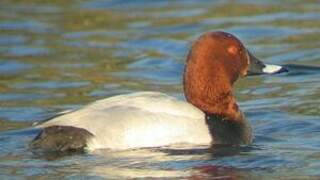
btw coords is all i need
(210, 114)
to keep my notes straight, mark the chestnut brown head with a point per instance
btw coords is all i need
(215, 61)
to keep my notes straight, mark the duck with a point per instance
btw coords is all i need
(209, 115)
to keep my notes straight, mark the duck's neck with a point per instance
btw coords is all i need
(207, 86)
(228, 132)
(211, 92)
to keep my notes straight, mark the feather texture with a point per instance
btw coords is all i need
(144, 119)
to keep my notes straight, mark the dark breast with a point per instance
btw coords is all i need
(224, 131)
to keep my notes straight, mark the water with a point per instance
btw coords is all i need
(57, 55)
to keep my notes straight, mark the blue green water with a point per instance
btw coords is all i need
(57, 55)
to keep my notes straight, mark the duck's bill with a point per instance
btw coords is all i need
(257, 67)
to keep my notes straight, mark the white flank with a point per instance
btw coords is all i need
(145, 119)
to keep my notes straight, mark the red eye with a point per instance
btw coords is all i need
(232, 50)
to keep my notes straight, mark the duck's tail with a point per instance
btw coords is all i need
(61, 138)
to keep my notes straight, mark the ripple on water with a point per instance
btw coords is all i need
(179, 14)
(258, 32)
(9, 67)
(6, 40)
(51, 85)
(162, 46)
(20, 51)
(27, 25)
(289, 56)
(156, 70)
(23, 113)
(23, 96)
(98, 4)
(262, 18)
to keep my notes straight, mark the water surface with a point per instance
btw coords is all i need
(59, 55)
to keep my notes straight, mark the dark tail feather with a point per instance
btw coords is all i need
(62, 139)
